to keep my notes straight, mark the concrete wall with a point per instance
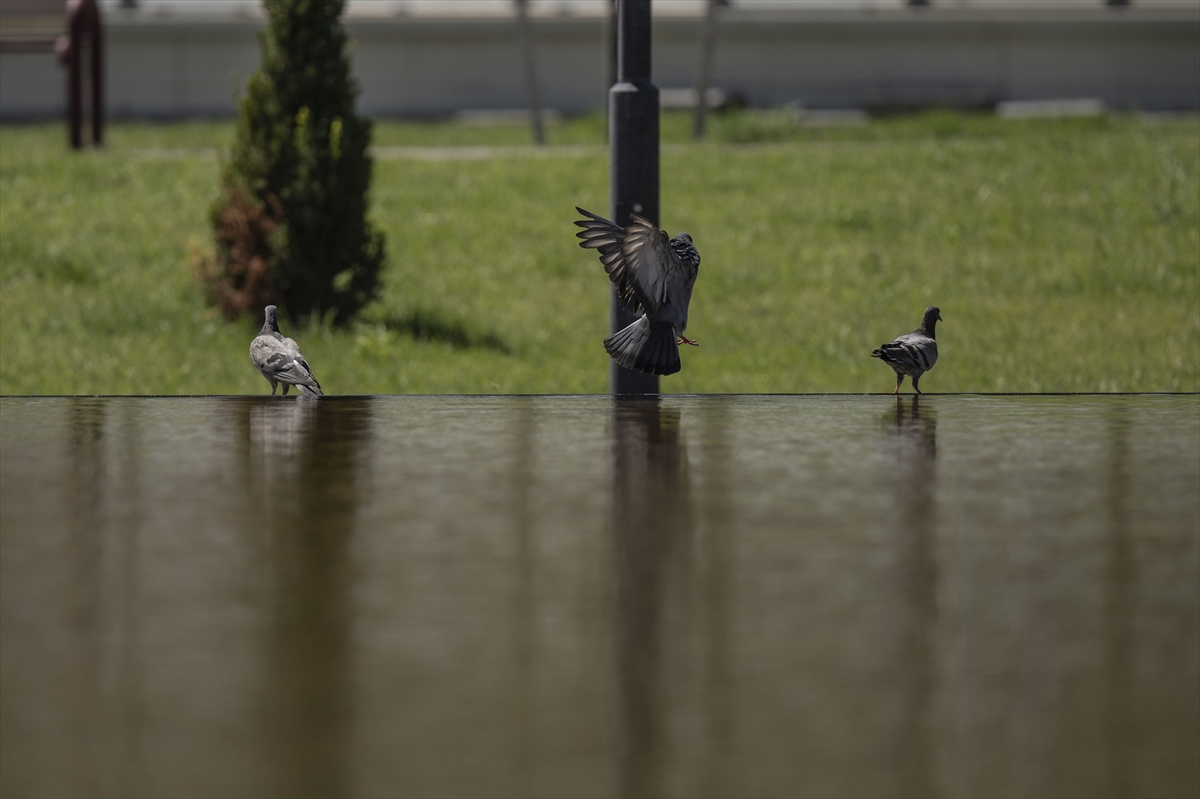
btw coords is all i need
(413, 66)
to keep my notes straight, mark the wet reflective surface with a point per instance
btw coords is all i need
(448, 596)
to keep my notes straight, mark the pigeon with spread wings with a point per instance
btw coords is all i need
(279, 359)
(653, 275)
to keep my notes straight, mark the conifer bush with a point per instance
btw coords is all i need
(290, 224)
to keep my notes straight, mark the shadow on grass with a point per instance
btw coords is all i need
(426, 324)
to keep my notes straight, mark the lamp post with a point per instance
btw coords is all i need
(633, 143)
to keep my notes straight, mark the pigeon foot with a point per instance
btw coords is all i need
(686, 340)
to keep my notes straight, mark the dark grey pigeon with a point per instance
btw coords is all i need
(914, 353)
(279, 359)
(653, 276)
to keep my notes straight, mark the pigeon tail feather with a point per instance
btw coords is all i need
(646, 347)
(885, 354)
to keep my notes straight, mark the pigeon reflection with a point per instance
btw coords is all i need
(651, 517)
(87, 444)
(913, 439)
(306, 459)
(916, 430)
(279, 433)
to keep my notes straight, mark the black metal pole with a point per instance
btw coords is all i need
(633, 142)
(610, 55)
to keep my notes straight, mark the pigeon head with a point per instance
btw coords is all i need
(683, 247)
(933, 315)
(271, 323)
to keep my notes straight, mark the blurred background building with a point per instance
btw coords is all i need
(175, 59)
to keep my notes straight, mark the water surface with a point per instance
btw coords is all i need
(579, 596)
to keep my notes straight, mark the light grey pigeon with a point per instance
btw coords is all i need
(653, 276)
(914, 353)
(279, 359)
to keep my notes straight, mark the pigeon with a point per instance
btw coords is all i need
(653, 276)
(279, 359)
(913, 353)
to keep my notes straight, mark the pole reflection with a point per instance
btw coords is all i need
(524, 604)
(305, 459)
(1120, 604)
(717, 518)
(650, 516)
(914, 523)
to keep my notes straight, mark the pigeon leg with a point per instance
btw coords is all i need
(274, 386)
(686, 340)
(899, 380)
(915, 379)
(286, 386)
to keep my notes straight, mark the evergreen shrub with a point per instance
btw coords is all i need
(290, 224)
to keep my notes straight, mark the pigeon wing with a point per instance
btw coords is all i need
(262, 350)
(636, 259)
(291, 346)
(651, 268)
(913, 350)
(294, 350)
(295, 371)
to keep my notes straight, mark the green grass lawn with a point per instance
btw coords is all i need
(1065, 256)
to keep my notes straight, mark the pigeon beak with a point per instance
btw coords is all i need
(939, 316)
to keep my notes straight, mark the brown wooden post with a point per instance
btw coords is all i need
(83, 30)
(68, 56)
(97, 37)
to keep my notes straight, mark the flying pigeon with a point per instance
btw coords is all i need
(913, 353)
(279, 359)
(653, 276)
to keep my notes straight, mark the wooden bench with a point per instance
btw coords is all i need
(29, 26)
